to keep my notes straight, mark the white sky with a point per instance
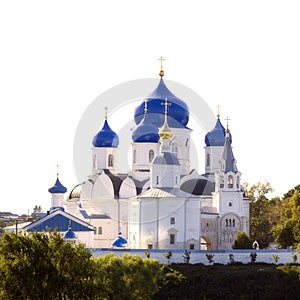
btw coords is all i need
(56, 57)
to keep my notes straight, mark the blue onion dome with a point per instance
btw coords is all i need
(216, 137)
(145, 132)
(58, 188)
(106, 137)
(120, 241)
(178, 112)
(69, 234)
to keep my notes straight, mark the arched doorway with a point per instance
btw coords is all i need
(205, 243)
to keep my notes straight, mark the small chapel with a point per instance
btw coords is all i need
(161, 202)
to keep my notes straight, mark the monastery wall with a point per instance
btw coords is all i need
(199, 256)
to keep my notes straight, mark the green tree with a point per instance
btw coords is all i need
(126, 277)
(262, 212)
(44, 266)
(186, 256)
(287, 231)
(168, 255)
(242, 241)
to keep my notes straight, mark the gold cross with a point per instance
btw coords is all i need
(105, 112)
(161, 73)
(161, 62)
(218, 108)
(166, 104)
(227, 119)
(145, 106)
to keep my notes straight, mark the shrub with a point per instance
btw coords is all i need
(242, 241)
(253, 257)
(210, 257)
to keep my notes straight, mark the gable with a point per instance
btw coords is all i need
(59, 222)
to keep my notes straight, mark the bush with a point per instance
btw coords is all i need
(242, 241)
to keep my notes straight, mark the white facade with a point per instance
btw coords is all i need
(160, 203)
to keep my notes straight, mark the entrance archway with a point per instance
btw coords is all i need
(205, 243)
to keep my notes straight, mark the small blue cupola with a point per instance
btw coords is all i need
(57, 192)
(58, 188)
(106, 137)
(216, 137)
(178, 115)
(120, 241)
(145, 132)
(69, 234)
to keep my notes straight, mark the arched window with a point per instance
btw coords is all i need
(221, 182)
(95, 230)
(233, 222)
(100, 230)
(226, 222)
(208, 160)
(229, 222)
(172, 239)
(151, 155)
(110, 160)
(230, 204)
(230, 181)
(134, 156)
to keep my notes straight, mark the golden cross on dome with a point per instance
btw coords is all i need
(227, 119)
(105, 112)
(161, 72)
(145, 106)
(218, 108)
(166, 104)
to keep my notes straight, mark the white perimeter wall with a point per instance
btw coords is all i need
(199, 256)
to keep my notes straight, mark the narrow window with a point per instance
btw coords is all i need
(95, 230)
(230, 204)
(110, 160)
(221, 182)
(226, 222)
(172, 239)
(229, 222)
(233, 222)
(100, 230)
(187, 143)
(230, 181)
(94, 160)
(134, 156)
(192, 246)
(151, 155)
(157, 180)
(208, 160)
(172, 220)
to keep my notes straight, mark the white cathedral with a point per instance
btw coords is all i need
(161, 203)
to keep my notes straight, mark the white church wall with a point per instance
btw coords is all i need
(213, 155)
